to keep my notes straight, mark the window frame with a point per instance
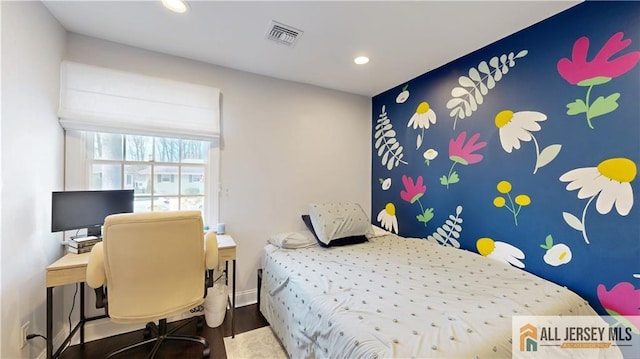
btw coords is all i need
(78, 170)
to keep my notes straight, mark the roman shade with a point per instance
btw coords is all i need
(101, 99)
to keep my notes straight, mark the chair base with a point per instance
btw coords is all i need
(160, 334)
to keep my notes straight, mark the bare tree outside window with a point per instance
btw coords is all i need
(138, 148)
(193, 151)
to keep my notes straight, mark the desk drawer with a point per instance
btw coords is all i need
(226, 254)
(66, 276)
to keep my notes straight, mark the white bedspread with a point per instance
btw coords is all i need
(402, 298)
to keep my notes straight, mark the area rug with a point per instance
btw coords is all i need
(258, 343)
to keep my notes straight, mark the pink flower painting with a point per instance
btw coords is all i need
(462, 153)
(578, 69)
(622, 302)
(412, 193)
(602, 69)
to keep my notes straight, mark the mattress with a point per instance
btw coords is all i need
(401, 298)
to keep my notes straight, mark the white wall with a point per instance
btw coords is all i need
(0, 182)
(33, 44)
(284, 144)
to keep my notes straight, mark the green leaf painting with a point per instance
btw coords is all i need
(548, 243)
(449, 179)
(603, 105)
(576, 107)
(426, 216)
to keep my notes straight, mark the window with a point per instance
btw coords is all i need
(151, 135)
(166, 174)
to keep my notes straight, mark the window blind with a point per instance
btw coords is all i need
(106, 100)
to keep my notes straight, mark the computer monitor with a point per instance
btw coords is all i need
(87, 209)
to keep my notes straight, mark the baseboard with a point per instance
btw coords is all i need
(103, 328)
(246, 297)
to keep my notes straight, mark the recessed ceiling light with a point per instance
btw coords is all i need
(178, 6)
(361, 60)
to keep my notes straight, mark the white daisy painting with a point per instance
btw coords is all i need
(514, 127)
(609, 182)
(387, 218)
(422, 118)
(500, 251)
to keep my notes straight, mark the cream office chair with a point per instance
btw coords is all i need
(153, 266)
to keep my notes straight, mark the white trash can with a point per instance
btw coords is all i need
(215, 304)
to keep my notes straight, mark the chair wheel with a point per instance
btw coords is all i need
(206, 352)
(147, 331)
(199, 323)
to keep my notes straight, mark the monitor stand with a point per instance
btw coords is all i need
(94, 231)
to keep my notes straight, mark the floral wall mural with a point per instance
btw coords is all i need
(537, 138)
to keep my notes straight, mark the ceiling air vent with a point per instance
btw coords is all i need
(283, 34)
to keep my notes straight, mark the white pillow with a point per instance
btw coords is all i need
(293, 240)
(377, 232)
(333, 221)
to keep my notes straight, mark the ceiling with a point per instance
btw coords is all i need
(403, 39)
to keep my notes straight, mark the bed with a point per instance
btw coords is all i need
(402, 298)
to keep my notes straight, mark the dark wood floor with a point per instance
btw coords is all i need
(247, 318)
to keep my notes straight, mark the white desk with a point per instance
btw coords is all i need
(72, 268)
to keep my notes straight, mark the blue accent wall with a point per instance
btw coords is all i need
(540, 170)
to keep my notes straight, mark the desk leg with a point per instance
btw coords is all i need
(82, 316)
(226, 273)
(233, 306)
(49, 322)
